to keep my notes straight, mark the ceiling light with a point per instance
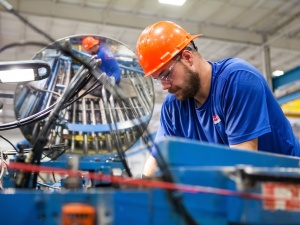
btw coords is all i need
(277, 73)
(172, 2)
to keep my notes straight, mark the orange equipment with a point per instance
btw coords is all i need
(78, 213)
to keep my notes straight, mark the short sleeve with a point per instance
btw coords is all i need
(245, 107)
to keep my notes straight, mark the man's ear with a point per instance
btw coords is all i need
(187, 57)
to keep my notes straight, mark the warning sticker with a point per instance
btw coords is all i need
(281, 196)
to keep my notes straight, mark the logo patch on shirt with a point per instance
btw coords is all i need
(216, 119)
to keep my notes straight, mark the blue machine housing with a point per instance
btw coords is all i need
(220, 196)
(207, 165)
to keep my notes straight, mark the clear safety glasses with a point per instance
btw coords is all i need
(165, 76)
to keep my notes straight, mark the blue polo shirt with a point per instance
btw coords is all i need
(239, 108)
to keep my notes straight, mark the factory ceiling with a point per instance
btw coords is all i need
(247, 29)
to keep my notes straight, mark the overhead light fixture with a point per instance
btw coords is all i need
(172, 2)
(22, 71)
(278, 73)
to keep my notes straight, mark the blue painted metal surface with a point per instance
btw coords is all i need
(87, 163)
(201, 164)
(289, 97)
(288, 77)
(282, 82)
(191, 163)
(182, 152)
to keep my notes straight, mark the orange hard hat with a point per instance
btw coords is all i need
(89, 42)
(159, 43)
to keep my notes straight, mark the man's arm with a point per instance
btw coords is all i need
(248, 145)
(151, 164)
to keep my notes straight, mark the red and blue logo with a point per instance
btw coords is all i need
(216, 119)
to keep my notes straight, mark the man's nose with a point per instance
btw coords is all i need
(165, 85)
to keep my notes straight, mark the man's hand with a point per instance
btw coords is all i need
(150, 167)
(112, 80)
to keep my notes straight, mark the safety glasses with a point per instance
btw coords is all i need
(165, 76)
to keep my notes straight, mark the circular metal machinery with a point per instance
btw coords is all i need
(101, 116)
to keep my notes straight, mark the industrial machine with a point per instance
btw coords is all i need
(72, 167)
(215, 185)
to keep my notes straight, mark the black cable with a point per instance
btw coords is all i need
(42, 139)
(65, 49)
(24, 178)
(24, 20)
(173, 195)
(23, 43)
(163, 165)
(30, 119)
(113, 132)
(9, 143)
(39, 115)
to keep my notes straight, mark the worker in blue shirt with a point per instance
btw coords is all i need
(227, 102)
(109, 64)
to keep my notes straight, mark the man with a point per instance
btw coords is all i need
(226, 102)
(109, 64)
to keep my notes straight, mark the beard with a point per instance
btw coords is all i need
(191, 85)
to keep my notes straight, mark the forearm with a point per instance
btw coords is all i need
(248, 145)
